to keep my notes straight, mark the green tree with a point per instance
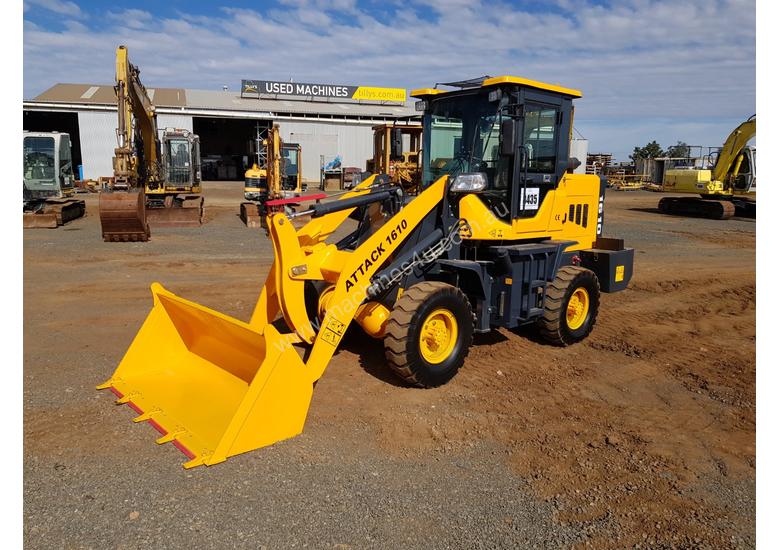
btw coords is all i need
(679, 150)
(649, 151)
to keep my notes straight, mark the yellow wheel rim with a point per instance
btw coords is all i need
(577, 308)
(438, 336)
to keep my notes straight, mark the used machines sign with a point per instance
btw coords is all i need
(273, 87)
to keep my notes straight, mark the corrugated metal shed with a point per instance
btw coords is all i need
(98, 141)
(323, 128)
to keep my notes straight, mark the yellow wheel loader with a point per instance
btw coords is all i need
(502, 234)
(728, 187)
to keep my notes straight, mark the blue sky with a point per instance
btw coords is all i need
(666, 69)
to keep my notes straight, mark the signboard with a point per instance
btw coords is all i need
(273, 87)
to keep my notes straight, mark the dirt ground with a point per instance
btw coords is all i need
(643, 436)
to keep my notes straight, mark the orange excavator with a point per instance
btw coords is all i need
(156, 182)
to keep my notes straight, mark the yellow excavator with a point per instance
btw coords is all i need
(502, 234)
(156, 182)
(390, 158)
(275, 179)
(728, 187)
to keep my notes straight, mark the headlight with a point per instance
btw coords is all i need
(469, 183)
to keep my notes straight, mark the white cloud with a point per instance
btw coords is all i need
(62, 7)
(649, 69)
(133, 18)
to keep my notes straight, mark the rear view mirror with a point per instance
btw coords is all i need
(508, 137)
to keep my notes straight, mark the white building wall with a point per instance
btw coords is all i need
(353, 142)
(97, 131)
(179, 122)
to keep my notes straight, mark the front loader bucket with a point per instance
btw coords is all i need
(211, 384)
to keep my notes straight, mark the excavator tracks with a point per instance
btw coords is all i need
(52, 213)
(696, 207)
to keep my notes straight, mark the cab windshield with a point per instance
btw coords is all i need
(290, 161)
(39, 160)
(462, 135)
(179, 159)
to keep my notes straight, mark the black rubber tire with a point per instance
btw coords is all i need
(402, 333)
(552, 325)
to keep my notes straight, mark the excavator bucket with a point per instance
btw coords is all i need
(123, 216)
(212, 385)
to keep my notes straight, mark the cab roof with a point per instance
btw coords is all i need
(498, 80)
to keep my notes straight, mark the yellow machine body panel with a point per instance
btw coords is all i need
(692, 181)
(254, 179)
(570, 212)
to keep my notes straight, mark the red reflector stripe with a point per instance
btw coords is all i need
(189, 454)
(135, 407)
(157, 427)
(293, 200)
(116, 392)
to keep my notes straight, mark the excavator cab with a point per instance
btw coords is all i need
(291, 166)
(743, 171)
(181, 161)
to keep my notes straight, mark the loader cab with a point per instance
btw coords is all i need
(514, 131)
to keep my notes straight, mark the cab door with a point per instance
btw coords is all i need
(542, 155)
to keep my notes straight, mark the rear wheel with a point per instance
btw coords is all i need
(570, 306)
(429, 333)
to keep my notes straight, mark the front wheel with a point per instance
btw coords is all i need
(570, 306)
(429, 333)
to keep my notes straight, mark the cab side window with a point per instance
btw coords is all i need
(540, 139)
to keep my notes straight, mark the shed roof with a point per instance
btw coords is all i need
(101, 94)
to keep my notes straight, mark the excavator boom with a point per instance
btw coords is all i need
(732, 148)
